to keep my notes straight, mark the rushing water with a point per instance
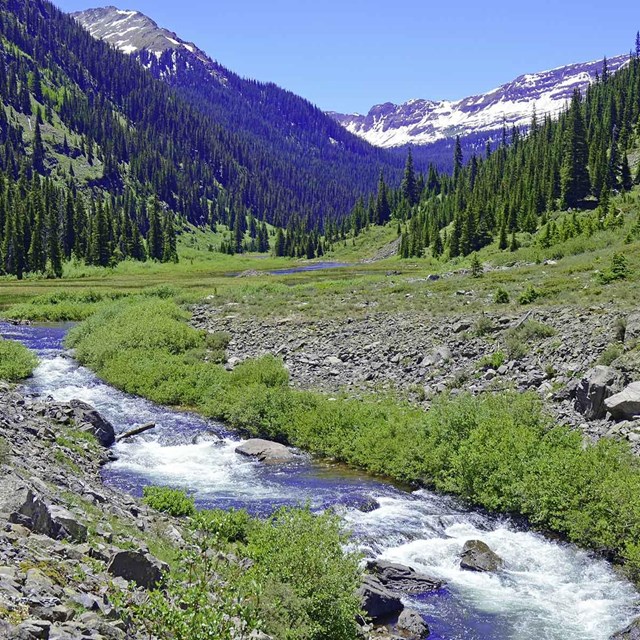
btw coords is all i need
(548, 590)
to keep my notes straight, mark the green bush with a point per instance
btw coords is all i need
(529, 295)
(300, 584)
(499, 451)
(619, 269)
(16, 361)
(493, 361)
(611, 353)
(501, 296)
(175, 502)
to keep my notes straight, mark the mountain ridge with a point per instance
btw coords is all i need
(423, 122)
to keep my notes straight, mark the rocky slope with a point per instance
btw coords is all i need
(423, 122)
(552, 351)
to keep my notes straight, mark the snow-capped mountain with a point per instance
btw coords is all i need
(423, 122)
(135, 33)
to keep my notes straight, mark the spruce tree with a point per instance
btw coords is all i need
(409, 184)
(574, 175)
(154, 235)
(169, 248)
(55, 249)
(383, 209)
(279, 247)
(626, 181)
(38, 150)
(457, 160)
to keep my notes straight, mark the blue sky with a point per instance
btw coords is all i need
(351, 54)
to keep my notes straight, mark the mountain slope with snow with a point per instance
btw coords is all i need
(423, 122)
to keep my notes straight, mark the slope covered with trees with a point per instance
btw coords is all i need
(574, 163)
(102, 162)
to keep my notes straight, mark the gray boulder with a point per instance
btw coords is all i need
(31, 511)
(377, 601)
(398, 577)
(477, 556)
(266, 451)
(626, 404)
(412, 626)
(88, 419)
(632, 632)
(632, 329)
(142, 568)
(597, 385)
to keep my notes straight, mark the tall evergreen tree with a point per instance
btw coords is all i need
(154, 235)
(575, 183)
(409, 184)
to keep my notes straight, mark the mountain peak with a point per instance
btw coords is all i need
(422, 122)
(132, 31)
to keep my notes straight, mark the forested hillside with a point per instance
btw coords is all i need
(102, 162)
(574, 163)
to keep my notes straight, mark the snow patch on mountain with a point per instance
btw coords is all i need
(422, 122)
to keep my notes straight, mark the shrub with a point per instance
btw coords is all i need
(611, 353)
(619, 269)
(529, 295)
(501, 296)
(175, 502)
(16, 361)
(493, 361)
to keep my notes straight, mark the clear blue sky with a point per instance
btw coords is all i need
(347, 55)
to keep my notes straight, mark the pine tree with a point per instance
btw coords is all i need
(626, 180)
(409, 186)
(457, 160)
(476, 266)
(169, 248)
(503, 242)
(55, 250)
(37, 254)
(279, 247)
(238, 233)
(574, 175)
(154, 235)
(383, 209)
(38, 150)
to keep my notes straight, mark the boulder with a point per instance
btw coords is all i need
(626, 404)
(632, 329)
(597, 385)
(477, 556)
(142, 568)
(266, 451)
(632, 632)
(88, 419)
(377, 601)
(412, 626)
(398, 577)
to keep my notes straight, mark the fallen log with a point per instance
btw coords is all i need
(136, 432)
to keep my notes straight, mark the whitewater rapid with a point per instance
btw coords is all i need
(548, 590)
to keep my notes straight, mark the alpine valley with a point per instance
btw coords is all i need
(271, 373)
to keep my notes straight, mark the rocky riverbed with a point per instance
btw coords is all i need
(551, 351)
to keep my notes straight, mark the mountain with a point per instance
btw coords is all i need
(425, 122)
(318, 168)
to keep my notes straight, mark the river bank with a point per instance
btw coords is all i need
(422, 529)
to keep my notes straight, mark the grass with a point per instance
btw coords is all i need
(16, 361)
(498, 451)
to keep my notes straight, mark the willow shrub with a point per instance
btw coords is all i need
(499, 451)
(16, 361)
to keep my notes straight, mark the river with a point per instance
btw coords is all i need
(548, 590)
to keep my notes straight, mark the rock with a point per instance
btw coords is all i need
(632, 329)
(477, 556)
(90, 420)
(597, 385)
(412, 625)
(142, 568)
(398, 577)
(69, 523)
(377, 601)
(632, 632)
(626, 404)
(368, 505)
(266, 451)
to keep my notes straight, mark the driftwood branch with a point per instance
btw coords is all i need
(136, 432)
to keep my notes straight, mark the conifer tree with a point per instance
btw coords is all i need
(169, 249)
(409, 184)
(457, 160)
(574, 174)
(38, 150)
(279, 247)
(55, 250)
(383, 209)
(626, 180)
(154, 235)
(37, 255)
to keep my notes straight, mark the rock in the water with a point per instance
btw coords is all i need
(87, 418)
(142, 568)
(412, 626)
(266, 451)
(477, 556)
(632, 632)
(626, 404)
(378, 602)
(598, 384)
(398, 577)
(368, 505)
